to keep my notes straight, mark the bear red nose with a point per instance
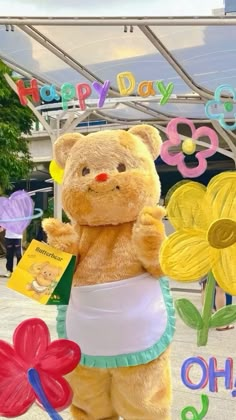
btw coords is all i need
(101, 177)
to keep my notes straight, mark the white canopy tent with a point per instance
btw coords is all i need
(196, 54)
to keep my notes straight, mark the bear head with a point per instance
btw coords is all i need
(110, 175)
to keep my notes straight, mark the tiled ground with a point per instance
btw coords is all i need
(14, 308)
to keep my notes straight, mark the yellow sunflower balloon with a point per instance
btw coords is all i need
(204, 244)
(205, 237)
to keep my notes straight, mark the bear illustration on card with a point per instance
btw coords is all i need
(44, 279)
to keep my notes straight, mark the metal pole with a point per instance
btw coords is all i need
(57, 187)
(121, 21)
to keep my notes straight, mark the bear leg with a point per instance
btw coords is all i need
(91, 394)
(143, 392)
(78, 414)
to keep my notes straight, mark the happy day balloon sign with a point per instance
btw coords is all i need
(126, 84)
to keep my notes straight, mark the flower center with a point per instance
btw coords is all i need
(222, 233)
(228, 106)
(188, 146)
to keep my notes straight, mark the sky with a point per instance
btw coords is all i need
(90, 8)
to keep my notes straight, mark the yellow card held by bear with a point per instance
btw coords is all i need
(44, 274)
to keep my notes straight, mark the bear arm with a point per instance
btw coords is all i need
(61, 236)
(148, 235)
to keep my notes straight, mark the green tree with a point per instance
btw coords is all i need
(15, 120)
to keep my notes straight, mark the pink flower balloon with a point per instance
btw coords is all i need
(32, 352)
(177, 158)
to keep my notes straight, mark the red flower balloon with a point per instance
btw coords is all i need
(33, 351)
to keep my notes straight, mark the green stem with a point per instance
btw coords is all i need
(207, 310)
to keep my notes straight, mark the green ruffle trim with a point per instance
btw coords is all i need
(61, 321)
(137, 358)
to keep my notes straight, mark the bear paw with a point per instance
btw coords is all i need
(60, 235)
(150, 215)
(149, 221)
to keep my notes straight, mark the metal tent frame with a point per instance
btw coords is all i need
(198, 94)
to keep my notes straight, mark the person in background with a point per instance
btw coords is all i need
(229, 299)
(13, 244)
(221, 300)
(41, 235)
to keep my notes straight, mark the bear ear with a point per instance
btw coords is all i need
(63, 146)
(150, 137)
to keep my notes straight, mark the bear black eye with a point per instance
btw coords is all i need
(85, 171)
(121, 167)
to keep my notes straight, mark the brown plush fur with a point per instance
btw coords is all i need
(116, 233)
(139, 392)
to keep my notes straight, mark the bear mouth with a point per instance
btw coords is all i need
(102, 191)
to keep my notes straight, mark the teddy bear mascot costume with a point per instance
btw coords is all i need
(120, 310)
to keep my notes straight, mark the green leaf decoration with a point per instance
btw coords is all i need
(223, 316)
(189, 313)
